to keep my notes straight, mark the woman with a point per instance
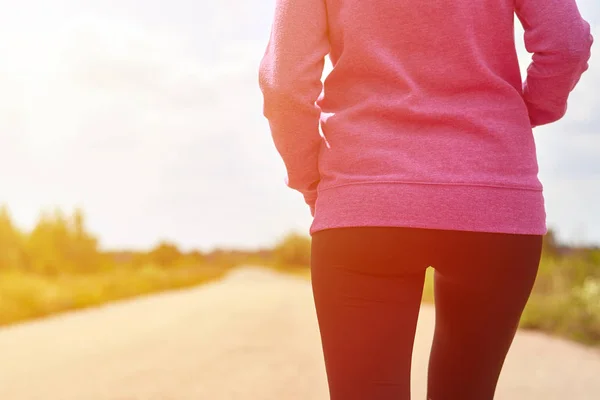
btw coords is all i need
(426, 158)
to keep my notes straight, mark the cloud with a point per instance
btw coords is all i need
(131, 122)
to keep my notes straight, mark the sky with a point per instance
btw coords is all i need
(147, 115)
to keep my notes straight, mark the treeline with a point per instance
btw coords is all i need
(60, 244)
(58, 266)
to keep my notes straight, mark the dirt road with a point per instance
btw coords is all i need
(252, 336)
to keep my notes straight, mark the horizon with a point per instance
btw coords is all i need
(150, 120)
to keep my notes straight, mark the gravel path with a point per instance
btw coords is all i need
(252, 336)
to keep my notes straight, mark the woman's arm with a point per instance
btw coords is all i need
(560, 41)
(290, 80)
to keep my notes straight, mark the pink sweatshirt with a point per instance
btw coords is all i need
(426, 120)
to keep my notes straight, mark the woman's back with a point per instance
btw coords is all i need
(425, 113)
(437, 82)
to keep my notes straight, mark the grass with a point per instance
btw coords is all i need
(566, 299)
(25, 296)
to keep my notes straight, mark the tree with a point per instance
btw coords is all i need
(60, 244)
(551, 244)
(196, 257)
(11, 243)
(293, 250)
(83, 247)
(165, 254)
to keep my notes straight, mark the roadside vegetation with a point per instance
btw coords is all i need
(58, 266)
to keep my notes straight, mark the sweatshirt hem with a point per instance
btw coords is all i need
(467, 184)
(476, 208)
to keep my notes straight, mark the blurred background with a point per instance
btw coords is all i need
(134, 158)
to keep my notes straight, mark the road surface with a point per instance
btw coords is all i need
(252, 336)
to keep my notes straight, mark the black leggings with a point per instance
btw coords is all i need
(368, 284)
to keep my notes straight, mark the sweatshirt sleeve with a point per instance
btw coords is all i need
(560, 41)
(290, 80)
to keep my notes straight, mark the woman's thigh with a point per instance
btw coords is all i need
(482, 284)
(367, 286)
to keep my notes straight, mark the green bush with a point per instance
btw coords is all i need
(293, 251)
(165, 254)
(566, 297)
